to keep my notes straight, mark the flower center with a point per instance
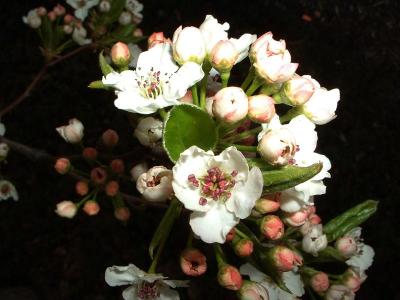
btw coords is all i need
(148, 290)
(215, 185)
(154, 181)
(151, 84)
(81, 3)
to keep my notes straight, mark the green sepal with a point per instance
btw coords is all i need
(98, 84)
(104, 66)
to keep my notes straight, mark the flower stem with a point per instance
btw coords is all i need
(162, 113)
(203, 84)
(219, 255)
(243, 135)
(225, 78)
(255, 84)
(293, 112)
(248, 79)
(195, 96)
(190, 239)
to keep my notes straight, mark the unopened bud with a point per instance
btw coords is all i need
(283, 258)
(98, 175)
(91, 207)
(4, 149)
(193, 262)
(352, 280)
(112, 188)
(272, 227)
(52, 15)
(59, 10)
(299, 89)
(314, 219)
(319, 282)
(67, 29)
(125, 18)
(41, 11)
(243, 248)
(117, 166)
(231, 235)
(89, 153)
(261, 108)
(104, 6)
(82, 188)
(230, 105)
(68, 18)
(268, 203)
(120, 54)
(149, 131)
(347, 246)
(122, 214)
(66, 209)
(138, 170)
(110, 137)
(188, 45)
(277, 146)
(229, 277)
(156, 38)
(253, 291)
(62, 165)
(223, 56)
(296, 219)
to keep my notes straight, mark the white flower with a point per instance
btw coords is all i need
(73, 132)
(364, 256)
(157, 81)
(32, 19)
(8, 190)
(213, 32)
(66, 209)
(79, 35)
(143, 285)
(303, 130)
(155, 184)
(339, 292)
(314, 241)
(321, 107)
(82, 7)
(220, 190)
(135, 7)
(291, 279)
(149, 131)
(188, 45)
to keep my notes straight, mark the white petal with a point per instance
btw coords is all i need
(177, 283)
(251, 271)
(244, 197)
(292, 200)
(304, 132)
(124, 81)
(294, 283)
(231, 160)
(166, 293)
(213, 226)
(242, 45)
(159, 58)
(363, 260)
(121, 275)
(130, 293)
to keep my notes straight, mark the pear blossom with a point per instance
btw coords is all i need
(79, 35)
(219, 189)
(135, 7)
(104, 6)
(8, 190)
(157, 81)
(299, 89)
(321, 107)
(66, 209)
(143, 285)
(155, 184)
(149, 131)
(314, 241)
(291, 279)
(230, 104)
(188, 45)
(32, 19)
(73, 132)
(339, 292)
(82, 7)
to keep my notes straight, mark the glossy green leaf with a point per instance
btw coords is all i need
(188, 125)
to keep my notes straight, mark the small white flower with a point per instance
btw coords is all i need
(32, 19)
(149, 131)
(8, 190)
(135, 7)
(143, 285)
(314, 241)
(157, 81)
(291, 279)
(66, 209)
(155, 184)
(82, 7)
(220, 190)
(73, 132)
(364, 255)
(79, 35)
(321, 107)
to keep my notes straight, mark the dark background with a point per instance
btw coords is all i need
(352, 46)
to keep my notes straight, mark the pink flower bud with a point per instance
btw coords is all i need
(193, 262)
(283, 258)
(98, 175)
(230, 105)
(68, 29)
(138, 32)
(319, 282)
(297, 218)
(229, 277)
(261, 108)
(268, 204)
(62, 165)
(68, 18)
(231, 235)
(156, 38)
(89, 153)
(41, 11)
(122, 214)
(59, 10)
(223, 56)
(347, 246)
(314, 219)
(91, 207)
(244, 248)
(110, 137)
(253, 291)
(277, 146)
(352, 280)
(272, 227)
(112, 188)
(52, 15)
(117, 166)
(73, 132)
(66, 209)
(299, 89)
(82, 188)
(120, 55)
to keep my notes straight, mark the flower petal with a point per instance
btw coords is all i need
(130, 293)
(166, 293)
(231, 160)
(159, 58)
(124, 81)
(294, 283)
(363, 260)
(121, 275)
(242, 45)
(213, 226)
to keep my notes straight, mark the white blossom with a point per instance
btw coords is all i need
(8, 190)
(155, 184)
(149, 131)
(82, 7)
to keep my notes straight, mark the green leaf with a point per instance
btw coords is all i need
(350, 219)
(289, 176)
(262, 164)
(164, 228)
(104, 66)
(188, 125)
(329, 254)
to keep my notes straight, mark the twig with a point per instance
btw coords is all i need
(37, 155)
(39, 76)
